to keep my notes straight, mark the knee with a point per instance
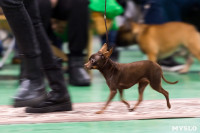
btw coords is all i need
(11, 3)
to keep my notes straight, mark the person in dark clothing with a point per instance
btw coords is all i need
(37, 58)
(76, 13)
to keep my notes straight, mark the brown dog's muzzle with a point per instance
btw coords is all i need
(88, 65)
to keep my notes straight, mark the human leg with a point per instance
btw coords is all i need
(58, 99)
(31, 90)
(78, 39)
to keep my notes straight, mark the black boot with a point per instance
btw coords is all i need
(58, 99)
(32, 88)
(77, 74)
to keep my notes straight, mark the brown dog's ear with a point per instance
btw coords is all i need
(107, 54)
(104, 48)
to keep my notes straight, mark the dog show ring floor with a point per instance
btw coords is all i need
(85, 112)
(151, 116)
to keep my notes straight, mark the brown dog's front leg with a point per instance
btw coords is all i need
(122, 99)
(112, 94)
(142, 84)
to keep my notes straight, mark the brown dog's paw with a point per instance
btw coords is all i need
(169, 106)
(99, 112)
(130, 110)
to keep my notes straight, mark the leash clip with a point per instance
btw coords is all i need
(104, 16)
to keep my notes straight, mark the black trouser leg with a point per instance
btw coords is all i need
(33, 33)
(31, 89)
(43, 41)
(46, 15)
(58, 99)
(78, 21)
(77, 15)
(50, 64)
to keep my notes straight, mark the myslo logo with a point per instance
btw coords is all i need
(184, 128)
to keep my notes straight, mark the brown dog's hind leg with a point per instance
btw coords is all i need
(166, 94)
(142, 85)
(112, 94)
(122, 98)
(159, 88)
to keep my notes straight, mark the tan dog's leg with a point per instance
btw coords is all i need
(194, 47)
(112, 94)
(152, 57)
(151, 49)
(122, 99)
(142, 85)
(189, 62)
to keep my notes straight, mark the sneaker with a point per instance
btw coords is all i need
(169, 64)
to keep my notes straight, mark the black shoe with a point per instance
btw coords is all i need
(30, 93)
(77, 74)
(58, 99)
(53, 103)
(36, 98)
(169, 64)
(32, 87)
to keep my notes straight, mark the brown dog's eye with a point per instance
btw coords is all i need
(92, 61)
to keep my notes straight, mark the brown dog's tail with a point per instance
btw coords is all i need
(168, 81)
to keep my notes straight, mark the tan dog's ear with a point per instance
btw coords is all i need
(104, 48)
(107, 54)
(136, 27)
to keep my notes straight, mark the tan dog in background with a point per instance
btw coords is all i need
(161, 41)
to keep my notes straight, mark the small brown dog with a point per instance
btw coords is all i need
(123, 76)
(160, 41)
